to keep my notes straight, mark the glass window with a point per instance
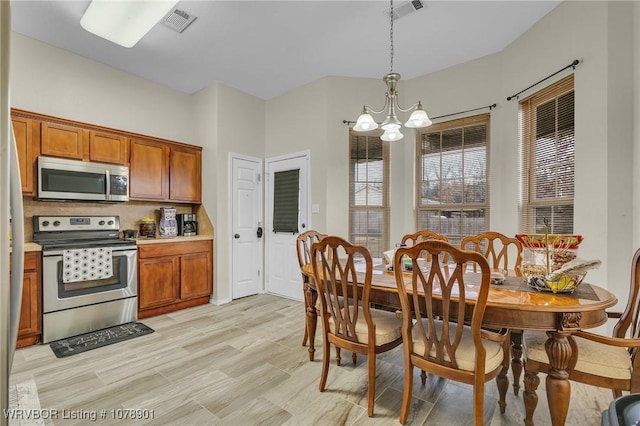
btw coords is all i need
(548, 163)
(369, 189)
(452, 177)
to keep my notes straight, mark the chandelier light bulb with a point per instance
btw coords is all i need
(391, 122)
(365, 122)
(418, 118)
(392, 135)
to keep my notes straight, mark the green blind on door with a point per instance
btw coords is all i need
(285, 201)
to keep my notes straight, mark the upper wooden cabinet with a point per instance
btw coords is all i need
(108, 148)
(185, 175)
(159, 170)
(167, 172)
(149, 170)
(59, 140)
(27, 135)
(66, 141)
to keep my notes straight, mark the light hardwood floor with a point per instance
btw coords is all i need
(243, 364)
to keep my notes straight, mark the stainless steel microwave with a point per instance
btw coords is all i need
(61, 179)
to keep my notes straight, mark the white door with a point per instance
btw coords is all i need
(246, 226)
(282, 269)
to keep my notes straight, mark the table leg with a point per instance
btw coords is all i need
(312, 319)
(516, 359)
(557, 383)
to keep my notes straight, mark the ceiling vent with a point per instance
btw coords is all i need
(178, 20)
(405, 9)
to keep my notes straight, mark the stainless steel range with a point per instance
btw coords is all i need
(89, 276)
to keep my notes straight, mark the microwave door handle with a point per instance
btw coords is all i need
(108, 193)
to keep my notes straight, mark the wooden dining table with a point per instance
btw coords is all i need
(515, 305)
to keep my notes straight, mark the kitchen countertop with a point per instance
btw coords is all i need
(142, 241)
(31, 246)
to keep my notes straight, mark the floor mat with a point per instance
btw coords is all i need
(97, 339)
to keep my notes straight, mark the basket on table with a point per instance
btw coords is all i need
(550, 262)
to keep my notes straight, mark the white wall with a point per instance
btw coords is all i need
(48, 80)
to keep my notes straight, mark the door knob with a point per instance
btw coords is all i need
(236, 236)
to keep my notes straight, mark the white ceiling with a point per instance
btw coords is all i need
(266, 48)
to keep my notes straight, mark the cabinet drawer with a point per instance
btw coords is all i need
(173, 249)
(31, 261)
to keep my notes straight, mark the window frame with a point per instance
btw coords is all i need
(471, 121)
(527, 110)
(384, 208)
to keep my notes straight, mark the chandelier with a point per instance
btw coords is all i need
(391, 125)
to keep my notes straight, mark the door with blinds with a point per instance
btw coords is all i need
(287, 215)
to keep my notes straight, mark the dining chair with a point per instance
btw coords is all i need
(497, 248)
(423, 235)
(602, 361)
(304, 242)
(441, 328)
(342, 273)
(502, 253)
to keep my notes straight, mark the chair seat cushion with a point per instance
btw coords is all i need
(388, 327)
(466, 353)
(593, 358)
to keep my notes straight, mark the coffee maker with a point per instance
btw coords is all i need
(187, 225)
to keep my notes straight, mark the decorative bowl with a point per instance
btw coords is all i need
(555, 283)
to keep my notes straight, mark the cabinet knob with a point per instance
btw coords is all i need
(236, 236)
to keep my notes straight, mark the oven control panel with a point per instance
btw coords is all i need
(76, 223)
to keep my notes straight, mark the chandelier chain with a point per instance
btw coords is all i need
(391, 38)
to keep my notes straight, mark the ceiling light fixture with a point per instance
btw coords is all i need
(124, 22)
(391, 125)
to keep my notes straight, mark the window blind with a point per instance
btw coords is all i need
(548, 163)
(369, 192)
(286, 193)
(453, 177)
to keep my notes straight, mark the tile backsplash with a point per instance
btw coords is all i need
(130, 212)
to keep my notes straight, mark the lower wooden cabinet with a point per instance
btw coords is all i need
(174, 276)
(30, 327)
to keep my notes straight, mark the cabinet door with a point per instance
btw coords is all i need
(185, 175)
(149, 170)
(195, 275)
(30, 324)
(30, 312)
(108, 148)
(59, 140)
(158, 281)
(26, 134)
